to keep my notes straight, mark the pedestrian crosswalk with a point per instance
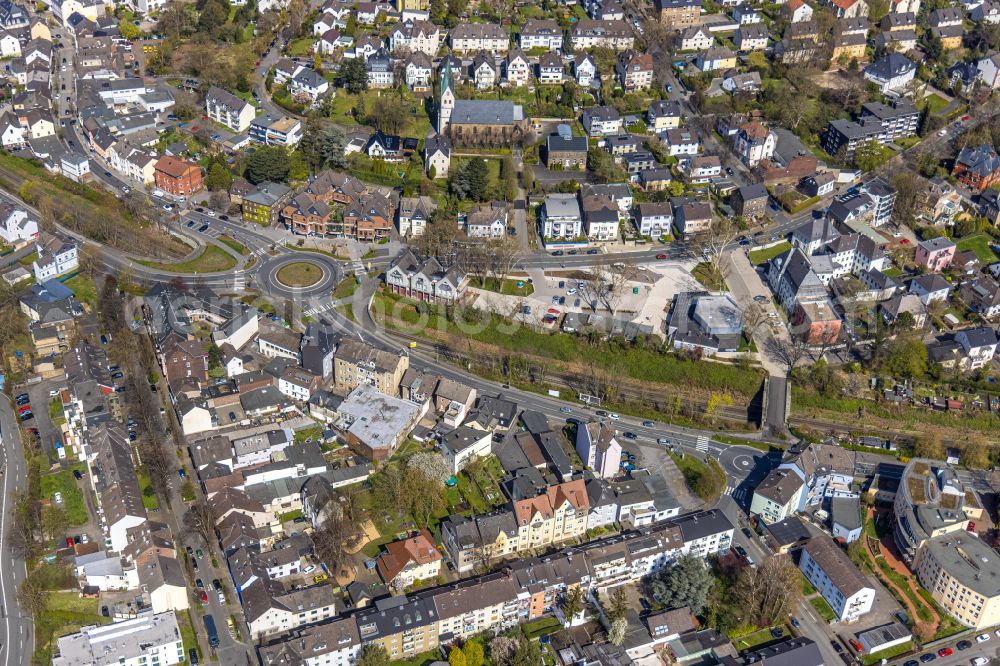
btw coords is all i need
(734, 491)
(239, 281)
(357, 267)
(702, 444)
(312, 312)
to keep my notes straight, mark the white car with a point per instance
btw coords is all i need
(222, 598)
(898, 234)
(167, 207)
(309, 569)
(982, 638)
(980, 661)
(570, 291)
(613, 416)
(211, 213)
(58, 497)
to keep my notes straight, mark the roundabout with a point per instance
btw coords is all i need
(300, 275)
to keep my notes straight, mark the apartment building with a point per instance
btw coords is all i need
(356, 363)
(177, 177)
(227, 109)
(828, 568)
(962, 575)
(150, 639)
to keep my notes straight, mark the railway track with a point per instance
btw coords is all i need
(578, 383)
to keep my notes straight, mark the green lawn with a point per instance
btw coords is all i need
(290, 515)
(935, 102)
(188, 636)
(893, 272)
(72, 497)
(758, 257)
(540, 627)
(509, 287)
(301, 48)
(56, 412)
(706, 480)
(235, 245)
(149, 499)
(346, 288)
(823, 608)
(980, 244)
(213, 260)
(758, 638)
(84, 290)
(703, 274)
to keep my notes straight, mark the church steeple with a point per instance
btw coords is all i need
(447, 97)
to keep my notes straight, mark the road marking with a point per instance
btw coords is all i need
(702, 443)
(3, 549)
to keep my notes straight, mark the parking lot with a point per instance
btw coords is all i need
(40, 399)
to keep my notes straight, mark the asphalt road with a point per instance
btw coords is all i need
(17, 632)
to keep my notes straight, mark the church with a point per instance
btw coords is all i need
(478, 122)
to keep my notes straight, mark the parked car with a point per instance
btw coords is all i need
(77, 475)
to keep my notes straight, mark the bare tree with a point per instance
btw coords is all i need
(753, 317)
(719, 237)
(770, 591)
(788, 352)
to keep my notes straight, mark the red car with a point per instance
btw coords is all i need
(905, 241)
(661, 257)
(23, 408)
(944, 652)
(971, 527)
(966, 117)
(69, 542)
(203, 596)
(856, 645)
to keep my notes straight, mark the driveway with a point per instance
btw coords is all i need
(745, 283)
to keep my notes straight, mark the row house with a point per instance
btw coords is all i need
(589, 34)
(472, 37)
(425, 280)
(133, 163)
(541, 34)
(422, 36)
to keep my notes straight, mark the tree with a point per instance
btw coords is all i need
(929, 445)
(322, 145)
(687, 583)
(602, 164)
(267, 163)
(474, 655)
(616, 632)
(432, 465)
(387, 114)
(212, 17)
(218, 178)
(617, 605)
(870, 155)
(769, 591)
(572, 603)
(54, 521)
(129, 30)
(354, 75)
(32, 597)
(907, 358)
(470, 180)
(456, 657)
(374, 655)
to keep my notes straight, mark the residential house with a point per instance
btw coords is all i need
(601, 121)
(419, 72)
(693, 217)
(891, 73)
(561, 217)
(550, 68)
(541, 34)
(663, 115)
(977, 167)
(227, 109)
(473, 37)
(750, 201)
(798, 11)
(177, 177)
(437, 156)
(695, 38)
(599, 449)
(682, 141)
(517, 69)
(635, 70)
(380, 70)
(930, 288)
(414, 214)
(754, 143)
(566, 152)
(425, 280)
(409, 560)
(715, 58)
(752, 37)
(677, 14)
(416, 36)
(935, 254)
(585, 70)
(828, 568)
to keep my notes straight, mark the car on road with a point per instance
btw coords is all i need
(168, 207)
(221, 597)
(22, 398)
(202, 596)
(740, 550)
(593, 251)
(966, 118)
(662, 440)
(747, 533)
(912, 662)
(760, 298)
(190, 551)
(200, 553)
(796, 623)
(613, 416)
(571, 291)
(944, 652)
(211, 213)
(836, 646)
(107, 174)
(193, 656)
(223, 217)
(661, 257)
(629, 435)
(777, 632)
(199, 583)
(217, 585)
(558, 253)
(565, 410)
(105, 612)
(648, 424)
(27, 416)
(982, 638)
(23, 408)
(980, 661)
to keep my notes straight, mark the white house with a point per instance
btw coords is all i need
(463, 444)
(828, 568)
(149, 639)
(562, 218)
(891, 73)
(227, 109)
(602, 121)
(598, 448)
(55, 257)
(16, 226)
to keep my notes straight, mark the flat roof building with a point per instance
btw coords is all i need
(150, 639)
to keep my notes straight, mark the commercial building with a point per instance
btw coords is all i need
(929, 502)
(375, 424)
